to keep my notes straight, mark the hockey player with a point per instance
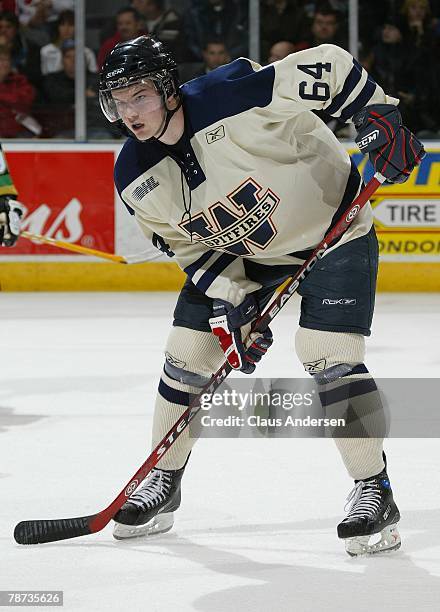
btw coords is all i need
(234, 175)
(11, 211)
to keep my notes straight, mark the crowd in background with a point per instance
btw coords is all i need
(399, 44)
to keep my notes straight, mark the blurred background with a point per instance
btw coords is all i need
(55, 135)
(397, 41)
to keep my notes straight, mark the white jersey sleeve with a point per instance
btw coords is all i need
(324, 78)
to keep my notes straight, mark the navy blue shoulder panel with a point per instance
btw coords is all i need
(225, 92)
(135, 158)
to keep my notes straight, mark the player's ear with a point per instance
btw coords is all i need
(172, 102)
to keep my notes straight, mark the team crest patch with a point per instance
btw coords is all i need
(315, 366)
(215, 135)
(242, 226)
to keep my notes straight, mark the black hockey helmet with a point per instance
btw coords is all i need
(130, 63)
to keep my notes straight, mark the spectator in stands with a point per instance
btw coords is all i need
(25, 56)
(280, 20)
(128, 26)
(394, 71)
(163, 23)
(416, 24)
(36, 15)
(389, 58)
(325, 29)
(421, 43)
(312, 6)
(371, 17)
(10, 38)
(215, 54)
(280, 50)
(16, 97)
(59, 96)
(225, 19)
(427, 108)
(51, 55)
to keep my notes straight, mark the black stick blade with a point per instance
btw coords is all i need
(39, 532)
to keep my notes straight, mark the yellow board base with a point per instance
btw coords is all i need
(411, 277)
(60, 276)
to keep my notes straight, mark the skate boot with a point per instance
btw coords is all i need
(149, 511)
(372, 511)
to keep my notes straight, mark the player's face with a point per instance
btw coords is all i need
(141, 109)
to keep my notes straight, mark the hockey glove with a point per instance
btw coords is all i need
(229, 325)
(11, 212)
(394, 151)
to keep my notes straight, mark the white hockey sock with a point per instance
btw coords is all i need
(191, 358)
(166, 413)
(349, 391)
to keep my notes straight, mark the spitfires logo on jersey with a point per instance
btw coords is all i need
(241, 227)
(68, 196)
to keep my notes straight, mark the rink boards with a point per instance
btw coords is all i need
(69, 195)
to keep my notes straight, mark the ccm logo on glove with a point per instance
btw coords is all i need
(394, 151)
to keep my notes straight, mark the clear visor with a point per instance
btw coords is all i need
(139, 97)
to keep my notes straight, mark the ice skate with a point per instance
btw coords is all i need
(149, 511)
(372, 512)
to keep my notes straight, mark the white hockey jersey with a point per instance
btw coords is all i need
(262, 175)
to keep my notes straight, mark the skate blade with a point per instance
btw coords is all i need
(389, 541)
(161, 523)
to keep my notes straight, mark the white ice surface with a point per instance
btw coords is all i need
(256, 529)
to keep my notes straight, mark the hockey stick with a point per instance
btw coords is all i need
(40, 531)
(75, 248)
(142, 257)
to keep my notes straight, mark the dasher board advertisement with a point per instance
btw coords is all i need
(407, 215)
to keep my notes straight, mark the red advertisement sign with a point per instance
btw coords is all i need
(68, 195)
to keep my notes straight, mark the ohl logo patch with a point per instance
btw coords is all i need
(242, 226)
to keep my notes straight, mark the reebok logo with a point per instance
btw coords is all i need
(178, 363)
(215, 135)
(339, 302)
(367, 139)
(315, 366)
